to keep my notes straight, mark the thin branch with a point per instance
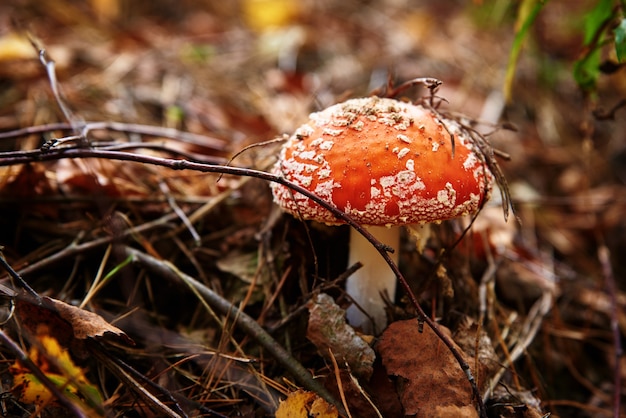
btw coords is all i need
(529, 330)
(20, 281)
(342, 393)
(431, 83)
(140, 384)
(244, 321)
(181, 213)
(604, 256)
(49, 65)
(609, 114)
(75, 248)
(129, 128)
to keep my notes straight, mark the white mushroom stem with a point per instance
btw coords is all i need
(366, 285)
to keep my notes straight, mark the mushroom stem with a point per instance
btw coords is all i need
(372, 280)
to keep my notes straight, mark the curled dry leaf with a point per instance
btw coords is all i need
(327, 329)
(509, 402)
(477, 348)
(428, 378)
(302, 404)
(65, 322)
(86, 324)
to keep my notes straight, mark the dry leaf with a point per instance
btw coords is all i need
(266, 15)
(55, 362)
(429, 378)
(465, 337)
(327, 329)
(303, 404)
(14, 46)
(86, 324)
(509, 402)
(106, 10)
(66, 322)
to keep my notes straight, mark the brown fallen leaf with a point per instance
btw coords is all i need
(509, 402)
(429, 381)
(327, 329)
(301, 404)
(86, 324)
(480, 349)
(65, 322)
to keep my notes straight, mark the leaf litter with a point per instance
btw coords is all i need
(427, 376)
(526, 302)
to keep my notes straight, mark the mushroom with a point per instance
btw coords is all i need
(385, 163)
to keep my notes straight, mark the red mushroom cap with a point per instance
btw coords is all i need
(383, 162)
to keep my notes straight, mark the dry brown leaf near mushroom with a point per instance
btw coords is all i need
(385, 163)
(429, 381)
(327, 329)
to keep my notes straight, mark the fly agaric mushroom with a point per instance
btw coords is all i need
(385, 163)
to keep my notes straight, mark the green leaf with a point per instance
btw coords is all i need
(596, 18)
(528, 11)
(587, 69)
(620, 41)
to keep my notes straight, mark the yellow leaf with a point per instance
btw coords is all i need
(29, 390)
(55, 362)
(106, 10)
(303, 404)
(262, 15)
(14, 47)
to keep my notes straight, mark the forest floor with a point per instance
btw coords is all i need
(208, 298)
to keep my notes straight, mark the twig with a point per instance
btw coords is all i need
(77, 124)
(431, 83)
(337, 372)
(74, 248)
(609, 114)
(363, 393)
(66, 143)
(20, 281)
(528, 332)
(132, 128)
(332, 284)
(132, 379)
(487, 283)
(254, 145)
(181, 214)
(243, 320)
(604, 256)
